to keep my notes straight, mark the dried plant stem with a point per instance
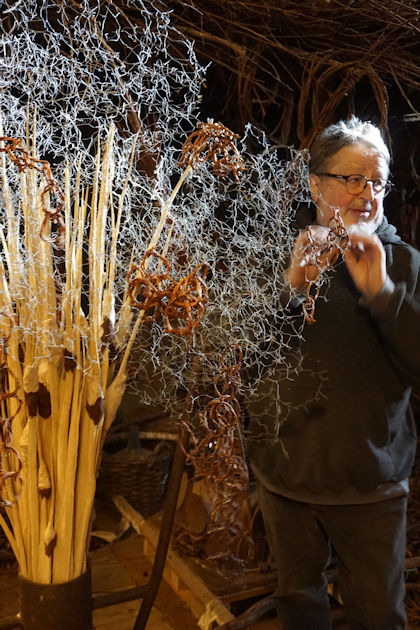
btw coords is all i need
(10, 537)
(152, 245)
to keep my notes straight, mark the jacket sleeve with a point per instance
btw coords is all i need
(396, 310)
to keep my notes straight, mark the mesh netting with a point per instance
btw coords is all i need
(118, 258)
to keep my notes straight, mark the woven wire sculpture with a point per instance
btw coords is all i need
(162, 224)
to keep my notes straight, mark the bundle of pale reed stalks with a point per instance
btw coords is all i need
(61, 385)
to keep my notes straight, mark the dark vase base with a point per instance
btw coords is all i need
(65, 606)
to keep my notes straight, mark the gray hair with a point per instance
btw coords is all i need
(343, 134)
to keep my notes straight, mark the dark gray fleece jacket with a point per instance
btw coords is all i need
(359, 434)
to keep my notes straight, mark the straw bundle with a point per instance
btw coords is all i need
(60, 334)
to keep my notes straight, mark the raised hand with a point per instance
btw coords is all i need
(365, 260)
(312, 254)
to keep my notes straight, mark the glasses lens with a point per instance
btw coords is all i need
(379, 184)
(355, 184)
(387, 188)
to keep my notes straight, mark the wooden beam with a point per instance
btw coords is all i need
(214, 612)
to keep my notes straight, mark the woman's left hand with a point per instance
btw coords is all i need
(365, 260)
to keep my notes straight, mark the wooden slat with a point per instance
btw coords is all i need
(213, 610)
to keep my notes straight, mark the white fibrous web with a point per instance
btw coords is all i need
(126, 259)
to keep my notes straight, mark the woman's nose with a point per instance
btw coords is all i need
(368, 192)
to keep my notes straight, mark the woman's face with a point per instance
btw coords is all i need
(365, 208)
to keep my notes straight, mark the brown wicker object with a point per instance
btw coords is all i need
(140, 476)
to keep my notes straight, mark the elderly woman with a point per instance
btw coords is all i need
(337, 477)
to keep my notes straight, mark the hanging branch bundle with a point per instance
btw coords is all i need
(323, 257)
(218, 458)
(158, 293)
(311, 58)
(213, 141)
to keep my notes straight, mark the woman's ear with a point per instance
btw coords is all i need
(314, 187)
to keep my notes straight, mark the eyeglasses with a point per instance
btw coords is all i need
(356, 184)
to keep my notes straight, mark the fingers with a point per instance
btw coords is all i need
(311, 241)
(366, 246)
(365, 260)
(362, 239)
(312, 254)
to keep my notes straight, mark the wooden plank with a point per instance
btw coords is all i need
(107, 571)
(122, 616)
(214, 610)
(137, 563)
(247, 593)
(234, 587)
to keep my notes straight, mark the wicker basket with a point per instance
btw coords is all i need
(140, 476)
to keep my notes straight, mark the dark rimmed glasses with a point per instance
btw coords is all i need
(356, 184)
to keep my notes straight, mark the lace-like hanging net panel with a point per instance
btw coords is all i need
(63, 81)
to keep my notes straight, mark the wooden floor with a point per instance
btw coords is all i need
(121, 565)
(124, 564)
(118, 566)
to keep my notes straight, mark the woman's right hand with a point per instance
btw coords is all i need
(311, 255)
